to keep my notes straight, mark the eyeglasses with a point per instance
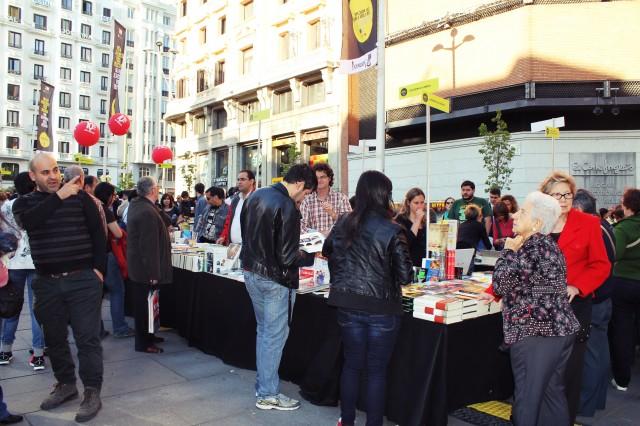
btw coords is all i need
(566, 196)
(448, 202)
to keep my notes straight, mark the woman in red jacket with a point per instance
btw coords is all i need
(580, 239)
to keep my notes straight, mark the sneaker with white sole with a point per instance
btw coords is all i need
(37, 362)
(618, 387)
(278, 402)
(5, 357)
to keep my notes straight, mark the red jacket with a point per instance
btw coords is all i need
(584, 252)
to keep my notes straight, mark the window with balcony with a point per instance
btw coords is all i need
(67, 4)
(65, 100)
(248, 108)
(13, 118)
(85, 77)
(313, 35)
(14, 66)
(63, 147)
(64, 123)
(130, 13)
(66, 26)
(183, 8)
(105, 60)
(15, 40)
(313, 93)
(38, 72)
(15, 14)
(13, 92)
(65, 73)
(222, 25)
(104, 83)
(199, 125)
(84, 150)
(181, 86)
(101, 155)
(166, 20)
(87, 7)
(36, 96)
(85, 102)
(247, 10)
(40, 21)
(246, 61)
(85, 31)
(282, 101)
(103, 106)
(106, 37)
(219, 78)
(85, 54)
(202, 81)
(13, 142)
(38, 47)
(284, 46)
(103, 127)
(202, 37)
(106, 12)
(218, 118)
(13, 169)
(66, 50)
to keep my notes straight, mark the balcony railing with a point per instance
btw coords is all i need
(13, 124)
(39, 77)
(16, 72)
(42, 27)
(16, 45)
(38, 52)
(105, 65)
(13, 98)
(15, 19)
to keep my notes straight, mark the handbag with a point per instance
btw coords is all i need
(153, 305)
(119, 250)
(11, 300)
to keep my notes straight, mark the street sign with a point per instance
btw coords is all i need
(552, 132)
(166, 165)
(260, 115)
(82, 159)
(436, 102)
(417, 89)
(540, 126)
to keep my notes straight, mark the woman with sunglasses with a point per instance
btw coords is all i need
(447, 206)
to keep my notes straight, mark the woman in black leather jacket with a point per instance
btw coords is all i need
(369, 260)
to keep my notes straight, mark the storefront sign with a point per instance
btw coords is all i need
(605, 175)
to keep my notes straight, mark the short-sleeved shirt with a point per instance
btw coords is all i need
(314, 216)
(457, 209)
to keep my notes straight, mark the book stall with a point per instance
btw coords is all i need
(447, 352)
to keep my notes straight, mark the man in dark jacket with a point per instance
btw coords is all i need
(270, 223)
(148, 257)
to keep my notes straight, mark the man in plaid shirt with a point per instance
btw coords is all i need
(322, 208)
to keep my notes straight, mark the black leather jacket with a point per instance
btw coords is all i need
(368, 274)
(270, 224)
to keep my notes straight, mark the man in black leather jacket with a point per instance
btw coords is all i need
(270, 226)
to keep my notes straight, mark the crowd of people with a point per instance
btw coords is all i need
(569, 281)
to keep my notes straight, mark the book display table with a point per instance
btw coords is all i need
(435, 368)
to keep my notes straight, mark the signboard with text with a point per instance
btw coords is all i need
(606, 175)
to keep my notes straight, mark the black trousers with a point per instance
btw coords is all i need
(538, 365)
(140, 293)
(74, 300)
(622, 334)
(582, 309)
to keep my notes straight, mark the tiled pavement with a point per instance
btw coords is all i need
(183, 386)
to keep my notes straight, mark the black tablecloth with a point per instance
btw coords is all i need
(434, 369)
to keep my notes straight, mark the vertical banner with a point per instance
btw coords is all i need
(359, 28)
(116, 67)
(44, 134)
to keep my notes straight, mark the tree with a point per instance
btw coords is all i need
(497, 153)
(294, 156)
(188, 170)
(126, 177)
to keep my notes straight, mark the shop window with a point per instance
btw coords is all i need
(10, 171)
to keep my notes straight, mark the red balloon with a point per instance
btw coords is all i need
(161, 153)
(87, 133)
(119, 124)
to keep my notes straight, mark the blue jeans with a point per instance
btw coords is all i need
(115, 286)
(20, 277)
(271, 306)
(368, 342)
(3, 406)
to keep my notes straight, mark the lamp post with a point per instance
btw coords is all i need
(452, 49)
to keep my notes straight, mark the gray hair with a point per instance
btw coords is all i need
(73, 171)
(36, 157)
(145, 185)
(544, 208)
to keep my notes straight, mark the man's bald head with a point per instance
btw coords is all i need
(43, 170)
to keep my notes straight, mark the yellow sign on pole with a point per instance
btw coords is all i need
(82, 159)
(166, 165)
(552, 132)
(436, 102)
(417, 89)
(260, 115)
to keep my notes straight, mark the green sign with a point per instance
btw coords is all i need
(417, 89)
(260, 115)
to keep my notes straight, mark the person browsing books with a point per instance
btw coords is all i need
(324, 206)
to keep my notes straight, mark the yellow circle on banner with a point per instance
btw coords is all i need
(362, 18)
(44, 140)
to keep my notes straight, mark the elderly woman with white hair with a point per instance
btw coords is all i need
(539, 324)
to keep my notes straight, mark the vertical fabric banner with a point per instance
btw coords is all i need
(44, 134)
(116, 67)
(359, 35)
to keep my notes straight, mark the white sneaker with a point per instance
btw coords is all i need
(278, 402)
(618, 387)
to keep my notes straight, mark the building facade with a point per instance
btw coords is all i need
(237, 58)
(527, 59)
(69, 44)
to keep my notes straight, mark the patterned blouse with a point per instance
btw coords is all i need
(533, 286)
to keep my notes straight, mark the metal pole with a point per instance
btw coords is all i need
(553, 154)
(159, 74)
(428, 200)
(380, 112)
(259, 163)
(364, 145)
